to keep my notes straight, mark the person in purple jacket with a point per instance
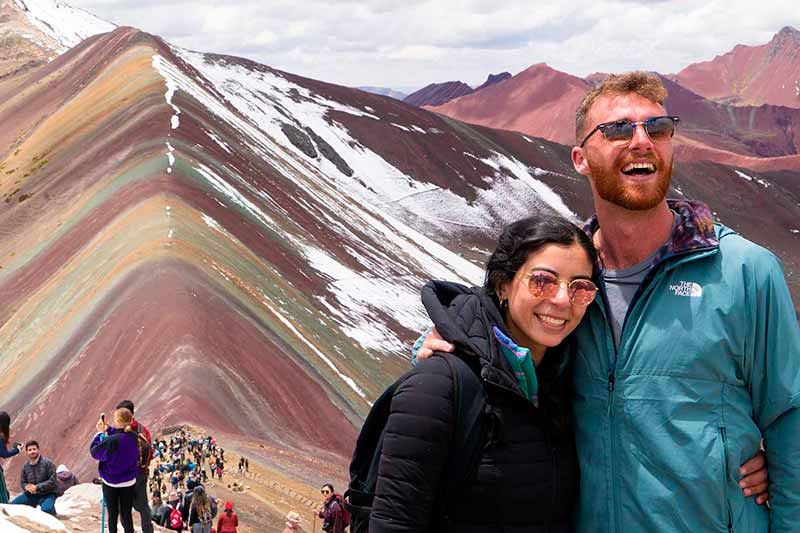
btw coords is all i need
(116, 448)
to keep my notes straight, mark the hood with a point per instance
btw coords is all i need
(694, 231)
(64, 475)
(465, 316)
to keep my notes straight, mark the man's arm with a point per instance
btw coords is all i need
(23, 478)
(774, 380)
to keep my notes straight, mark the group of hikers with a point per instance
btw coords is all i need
(125, 450)
(640, 373)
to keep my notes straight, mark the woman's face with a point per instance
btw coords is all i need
(538, 323)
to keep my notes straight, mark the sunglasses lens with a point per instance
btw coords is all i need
(621, 130)
(582, 292)
(543, 285)
(660, 127)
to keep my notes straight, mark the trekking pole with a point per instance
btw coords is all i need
(315, 522)
(103, 514)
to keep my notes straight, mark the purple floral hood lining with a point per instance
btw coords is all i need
(694, 231)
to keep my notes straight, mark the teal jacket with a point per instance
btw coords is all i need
(708, 365)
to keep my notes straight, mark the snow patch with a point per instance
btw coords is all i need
(760, 181)
(219, 141)
(526, 175)
(65, 25)
(31, 514)
(211, 223)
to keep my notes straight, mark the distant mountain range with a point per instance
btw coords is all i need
(441, 93)
(383, 91)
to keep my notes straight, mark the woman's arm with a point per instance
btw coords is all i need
(415, 449)
(5, 452)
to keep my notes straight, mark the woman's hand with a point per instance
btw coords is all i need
(19, 447)
(101, 425)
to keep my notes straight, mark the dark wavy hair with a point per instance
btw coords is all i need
(5, 426)
(523, 237)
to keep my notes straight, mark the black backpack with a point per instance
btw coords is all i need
(467, 440)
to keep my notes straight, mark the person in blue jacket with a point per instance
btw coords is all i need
(5, 452)
(689, 358)
(115, 447)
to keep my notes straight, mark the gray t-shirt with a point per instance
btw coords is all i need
(621, 287)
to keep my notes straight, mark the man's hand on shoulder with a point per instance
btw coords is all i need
(755, 478)
(433, 343)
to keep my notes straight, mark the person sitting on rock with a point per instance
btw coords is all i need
(65, 479)
(38, 481)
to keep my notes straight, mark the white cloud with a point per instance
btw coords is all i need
(412, 43)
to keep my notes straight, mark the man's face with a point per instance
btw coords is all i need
(33, 453)
(610, 165)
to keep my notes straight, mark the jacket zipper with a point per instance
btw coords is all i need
(726, 505)
(647, 283)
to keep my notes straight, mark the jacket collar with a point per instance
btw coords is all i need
(694, 230)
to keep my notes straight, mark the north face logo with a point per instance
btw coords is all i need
(687, 288)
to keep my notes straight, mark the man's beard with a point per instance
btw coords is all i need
(631, 196)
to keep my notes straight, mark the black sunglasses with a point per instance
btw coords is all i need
(657, 128)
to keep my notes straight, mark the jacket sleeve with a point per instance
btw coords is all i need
(5, 452)
(103, 448)
(415, 446)
(775, 389)
(50, 484)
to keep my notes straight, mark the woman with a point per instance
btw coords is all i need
(538, 284)
(228, 521)
(5, 435)
(116, 448)
(201, 513)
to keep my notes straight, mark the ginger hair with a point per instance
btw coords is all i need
(644, 84)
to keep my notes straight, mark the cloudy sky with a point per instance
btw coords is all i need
(408, 44)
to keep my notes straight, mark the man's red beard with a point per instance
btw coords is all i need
(632, 196)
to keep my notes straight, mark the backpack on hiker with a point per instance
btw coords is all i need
(175, 519)
(465, 446)
(145, 448)
(345, 512)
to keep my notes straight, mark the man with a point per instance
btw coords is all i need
(691, 353)
(38, 481)
(158, 508)
(140, 489)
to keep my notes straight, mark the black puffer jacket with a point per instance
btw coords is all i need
(527, 477)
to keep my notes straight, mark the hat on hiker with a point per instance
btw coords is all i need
(61, 468)
(228, 506)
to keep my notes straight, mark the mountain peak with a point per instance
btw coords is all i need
(787, 37)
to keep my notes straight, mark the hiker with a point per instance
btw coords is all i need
(38, 481)
(172, 518)
(140, 502)
(228, 521)
(158, 508)
(690, 357)
(64, 479)
(538, 285)
(247, 465)
(201, 511)
(331, 511)
(5, 452)
(115, 447)
(293, 522)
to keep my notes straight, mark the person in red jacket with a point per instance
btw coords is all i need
(331, 511)
(228, 521)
